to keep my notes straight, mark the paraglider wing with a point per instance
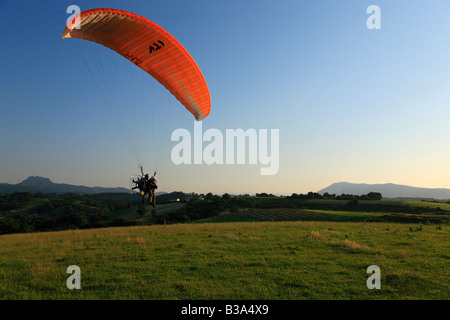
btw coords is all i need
(149, 47)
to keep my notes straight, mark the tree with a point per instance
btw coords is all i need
(263, 194)
(374, 196)
(141, 210)
(226, 197)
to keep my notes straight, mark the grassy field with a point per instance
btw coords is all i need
(289, 214)
(245, 260)
(147, 218)
(443, 206)
(292, 214)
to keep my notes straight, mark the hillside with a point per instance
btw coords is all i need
(28, 212)
(233, 261)
(35, 184)
(388, 190)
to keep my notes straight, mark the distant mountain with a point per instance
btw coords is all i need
(45, 185)
(388, 190)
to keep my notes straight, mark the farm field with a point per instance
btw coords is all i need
(288, 214)
(247, 260)
(292, 214)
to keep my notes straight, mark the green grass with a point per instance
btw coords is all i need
(131, 213)
(228, 218)
(251, 260)
(434, 205)
(293, 214)
(351, 215)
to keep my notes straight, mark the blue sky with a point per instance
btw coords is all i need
(351, 104)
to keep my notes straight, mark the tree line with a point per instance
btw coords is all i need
(26, 212)
(210, 205)
(206, 206)
(326, 195)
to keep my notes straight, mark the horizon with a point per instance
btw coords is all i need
(239, 194)
(350, 103)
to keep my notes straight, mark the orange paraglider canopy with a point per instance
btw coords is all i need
(149, 47)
